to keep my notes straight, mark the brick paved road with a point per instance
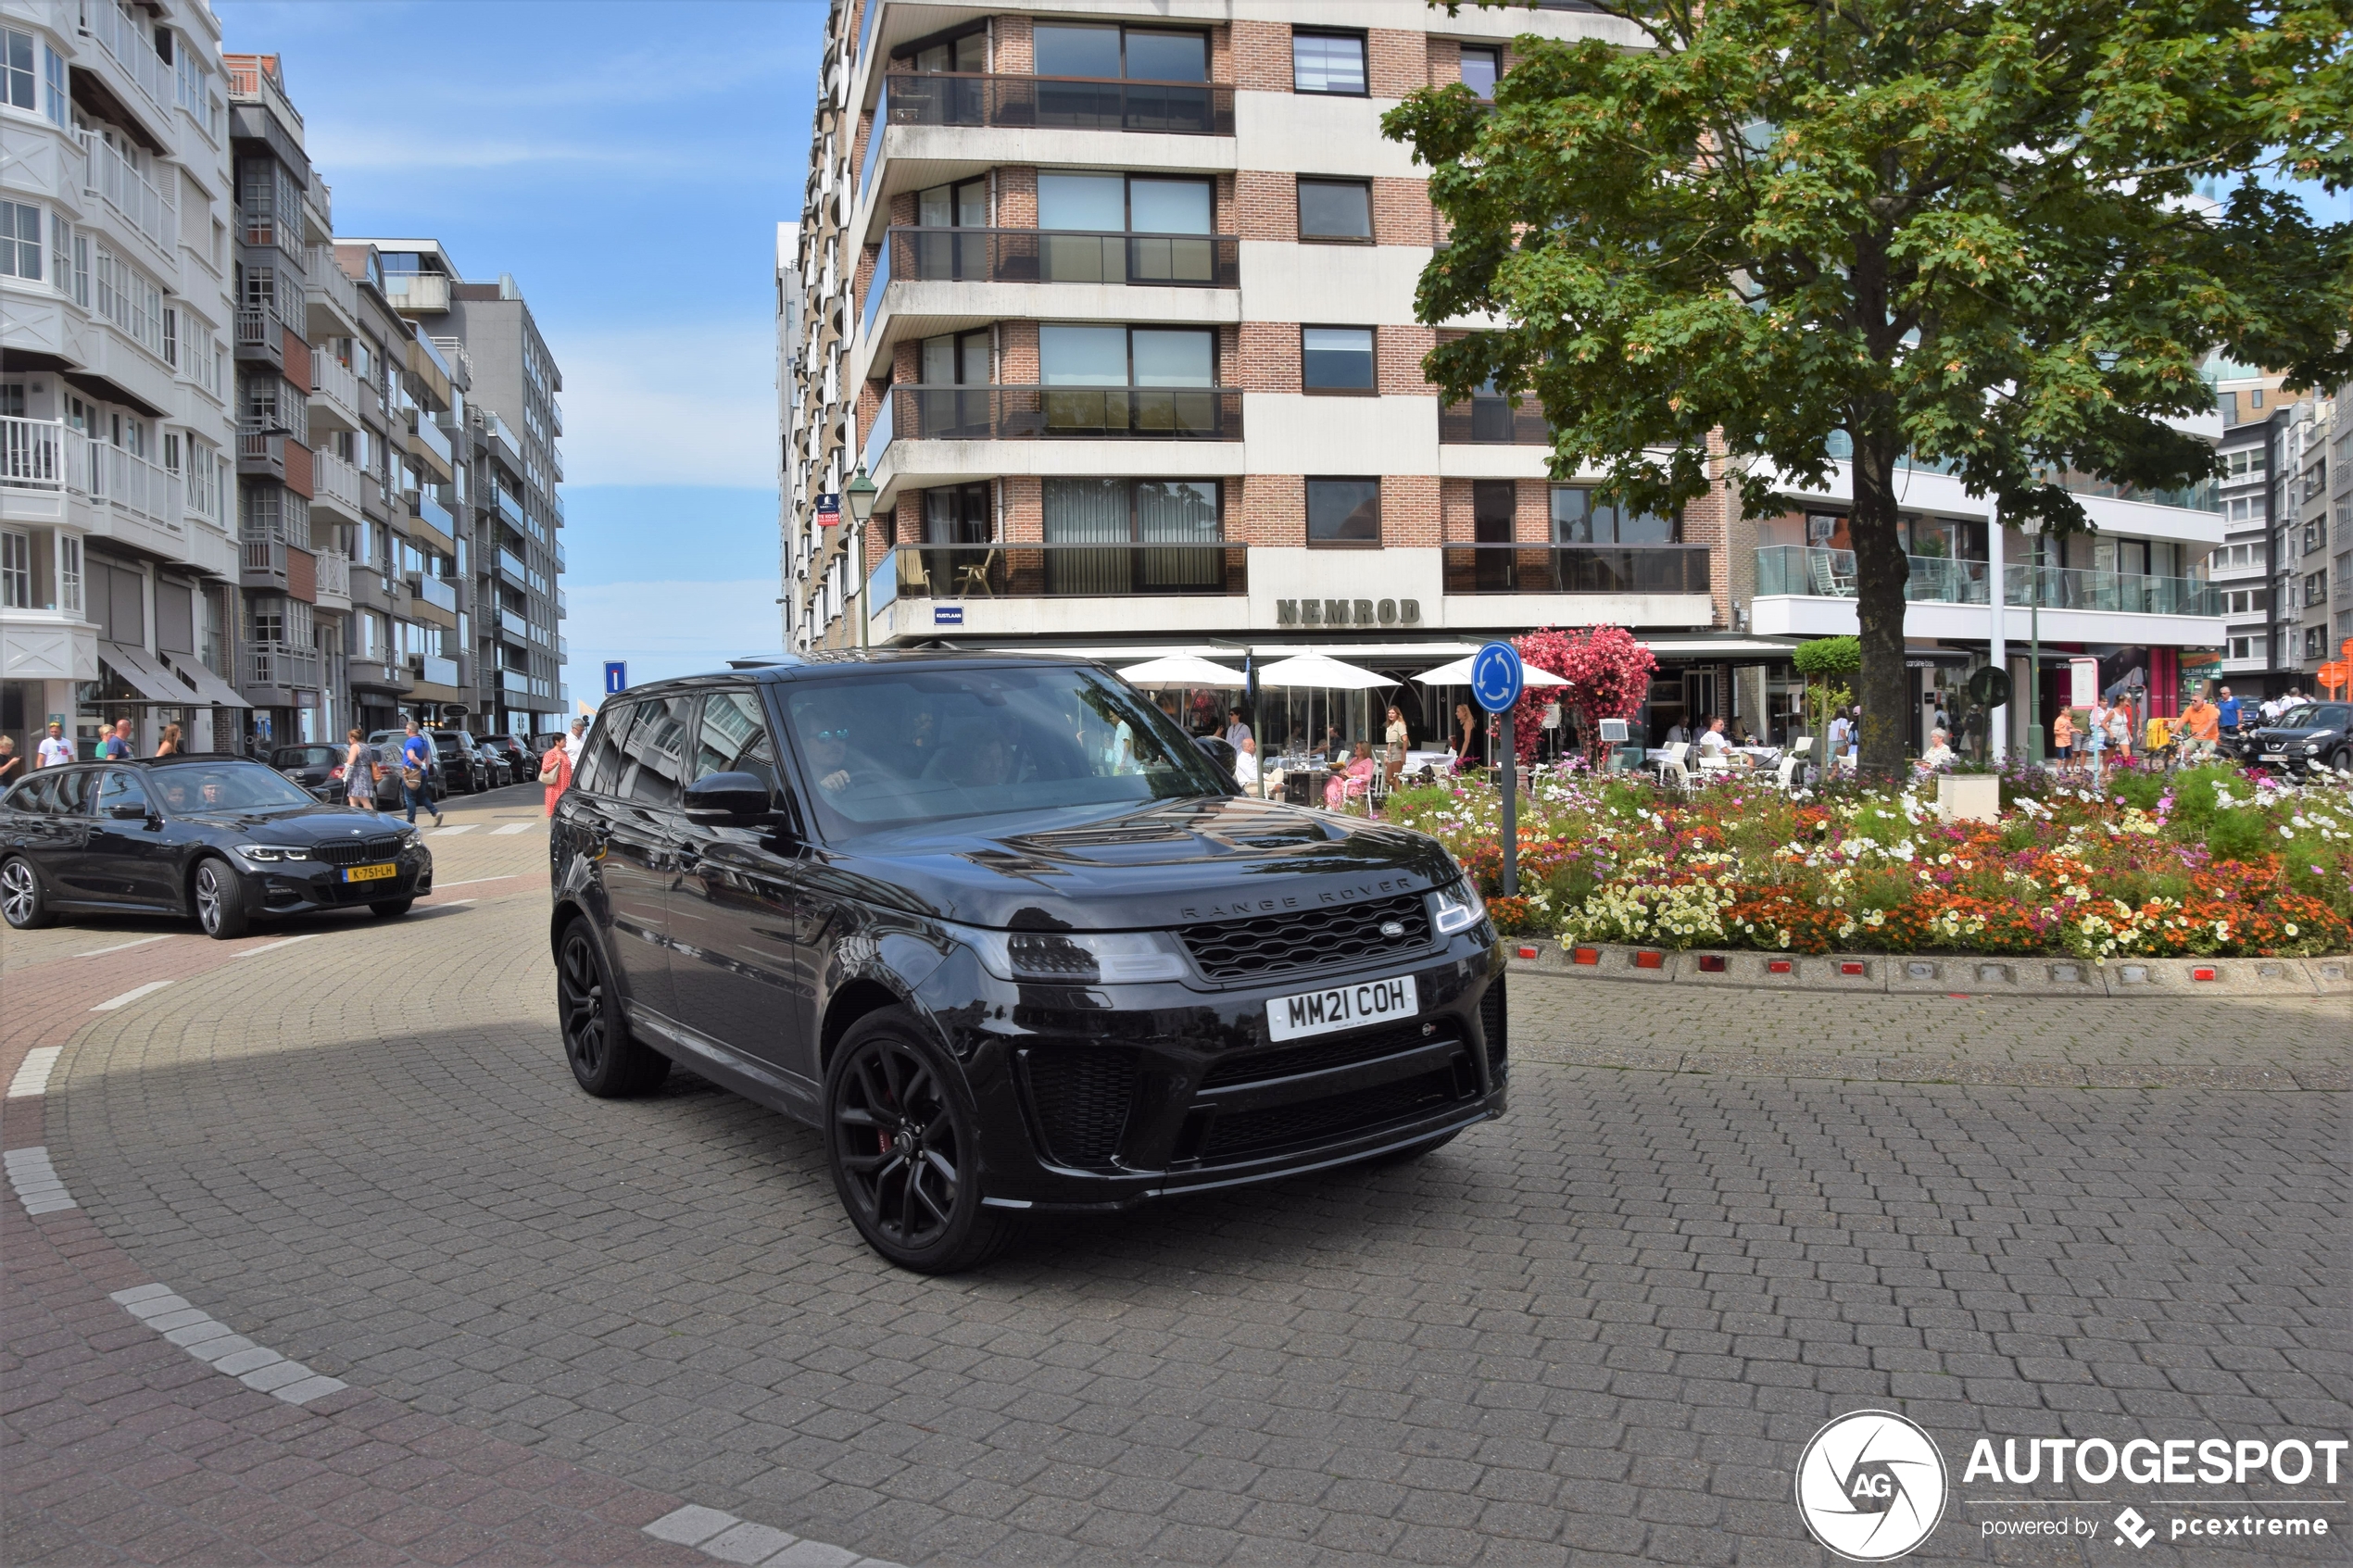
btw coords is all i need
(1604, 1325)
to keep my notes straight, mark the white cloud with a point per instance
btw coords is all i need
(683, 405)
(663, 629)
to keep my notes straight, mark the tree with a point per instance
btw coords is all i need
(1608, 672)
(1822, 661)
(2001, 238)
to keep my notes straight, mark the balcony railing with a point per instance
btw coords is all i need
(124, 33)
(434, 591)
(332, 479)
(1061, 570)
(281, 666)
(513, 626)
(331, 380)
(1825, 574)
(277, 455)
(133, 484)
(1576, 568)
(1186, 108)
(334, 576)
(512, 570)
(432, 437)
(148, 211)
(1066, 413)
(433, 669)
(1494, 421)
(323, 278)
(258, 329)
(43, 455)
(431, 510)
(503, 497)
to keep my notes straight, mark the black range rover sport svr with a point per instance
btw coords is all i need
(1009, 939)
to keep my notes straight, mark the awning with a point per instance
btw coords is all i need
(1314, 670)
(1730, 648)
(205, 687)
(1458, 675)
(143, 675)
(1183, 670)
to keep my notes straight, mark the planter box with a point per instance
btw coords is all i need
(1968, 797)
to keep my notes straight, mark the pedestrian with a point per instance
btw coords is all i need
(574, 741)
(360, 767)
(416, 771)
(52, 748)
(11, 765)
(2120, 729)
(1237, 732)
(1246, 764)
(2063, 734)
(169, 745)
(117, 747)
(2227, 712)
(1468, 726)
(1393, 752)
(1940, 750)
(2203, 725)
(1840, 730)
(555, 771)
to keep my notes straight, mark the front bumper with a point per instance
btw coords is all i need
(294, 887)
(1098, 1099)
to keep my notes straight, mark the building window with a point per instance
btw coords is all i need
(16, 82)
(1327, 62)
(1119, 512)
(1480, 68)
(20, 241)
(70, 571)
(1338, 210)
(16, 570)
(1343, 511)
(1119, 203)
(2315, 641)
(1577, 519)
(1090, 356)
(1336, 359)
(2239, 646)
(1109, 53)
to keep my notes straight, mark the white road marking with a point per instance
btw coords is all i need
(36, 1181)
(33, 1074)
(730, 1539)
(131, 996)
(512, 827)
(478, 881)
(210, 1341)
(452, 833)
(282, 942)
(120, 947)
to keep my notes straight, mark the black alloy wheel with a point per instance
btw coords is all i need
(219, 894)
(607, 1059)
(904, 1151)
(24, 903)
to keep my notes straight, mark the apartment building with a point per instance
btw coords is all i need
(118, 555)
(1116, 316)
(2315, 620)
(2241, 566)
(498, 497)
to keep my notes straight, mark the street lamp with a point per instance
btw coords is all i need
(2033, 528)
(861, 494)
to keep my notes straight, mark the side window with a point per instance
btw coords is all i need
(653, 751)
(72, 794)
(34, 796)
(599, 770)
(732, 738)
(120, 786)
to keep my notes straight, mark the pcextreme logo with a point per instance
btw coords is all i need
(1871, 1486)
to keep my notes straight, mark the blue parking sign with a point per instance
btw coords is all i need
(616, 676)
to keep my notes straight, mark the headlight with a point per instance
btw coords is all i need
(1077, 958)
(272, 852)
(2311, 749)
(1456, 909)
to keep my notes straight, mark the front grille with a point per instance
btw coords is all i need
(357, 851)
(1081, 1095)
(1311, 939)
(1322, 1120)
(1493, 1023)
(1258, 1066)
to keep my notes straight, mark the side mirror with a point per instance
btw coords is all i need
(1219, 750)
(127, 812)
(740, 799)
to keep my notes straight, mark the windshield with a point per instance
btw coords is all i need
(926, 745)
(302, 757)
(2315, 716)
(223, 787)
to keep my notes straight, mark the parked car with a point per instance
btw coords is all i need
(460, 763)
(523, 763)
(2316, 732)
(497, 771)
(388, 799)
(317, 769)
(1045, 957)
(223, 839)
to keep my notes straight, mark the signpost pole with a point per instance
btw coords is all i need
(1511, 818)
(1497, 680)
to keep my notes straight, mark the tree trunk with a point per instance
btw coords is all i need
(1881, 572)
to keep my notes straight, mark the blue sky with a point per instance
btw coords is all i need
(628, 163)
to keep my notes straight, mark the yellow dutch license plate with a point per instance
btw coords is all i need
(370, 873)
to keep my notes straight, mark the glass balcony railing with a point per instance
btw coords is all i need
(911, 254)
(434, 591)
(1575, 569)
(1825, 574)
(1065, 413)
(1071, 103)
(1057, 571)
(430, 509)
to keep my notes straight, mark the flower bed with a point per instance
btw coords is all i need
(2205, 861)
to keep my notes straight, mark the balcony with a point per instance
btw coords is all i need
(334, 486)
(514, 628)
(148, 212)
(334, 392)
(1050, 255)
(123, 33)
(334, 580)
(428, 589)
(1494, 421)
(378, 675)
(433, 670)
(1059, 570)
(1065, 103)
(514, 683)
(131, 485)
(269, 562)
(43, 457)
(435, 515)
(1059, 413)
(275, 455)
(563, 605)
(423, 292)
(1805, 587)
(511, 569)
(429, 435)
(332, 297)
(503, 497)
(279, 667)
(1576, 568)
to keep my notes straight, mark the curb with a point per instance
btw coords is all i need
(1931, 974)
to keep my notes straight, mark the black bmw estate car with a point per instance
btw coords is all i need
(223, 839)
(1009, 939)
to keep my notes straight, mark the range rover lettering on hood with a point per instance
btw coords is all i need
(1243, 909)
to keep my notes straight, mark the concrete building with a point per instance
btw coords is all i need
(1117, 315)
(2311, 580)
(119, 553)
(505, 546)
(2241, 566)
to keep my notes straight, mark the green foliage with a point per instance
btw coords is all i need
(2195, 800)
(2239, 835)
(1828, 656)
(2140, 789)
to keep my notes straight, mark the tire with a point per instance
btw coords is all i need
(24, 900)
(2343, 761)
(219, 894)
(391, 908)
(607, 1059)
(1411, 1152)
(889, 1090)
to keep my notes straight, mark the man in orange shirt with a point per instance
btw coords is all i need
(2203, 720)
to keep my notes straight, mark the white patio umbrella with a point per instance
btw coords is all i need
(1315, 669)
(1458, 675)
(1180, 669)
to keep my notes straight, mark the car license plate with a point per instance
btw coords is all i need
(1341, 1007)
(2273, 756)
(370, 873)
